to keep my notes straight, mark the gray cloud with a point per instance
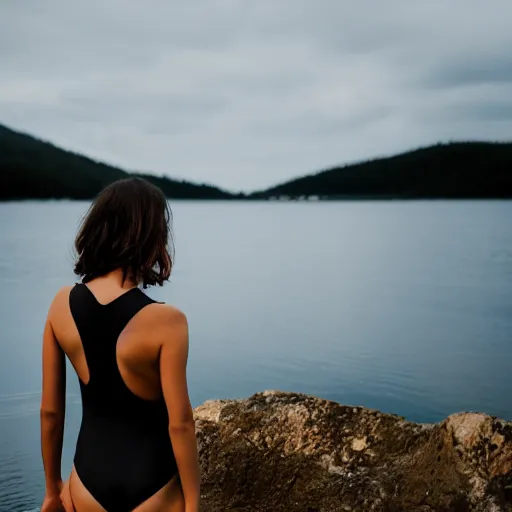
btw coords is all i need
(247, 94)
(493, 69)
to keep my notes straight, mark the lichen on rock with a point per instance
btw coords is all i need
(290, 452)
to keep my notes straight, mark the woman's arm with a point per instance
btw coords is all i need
(53, 404)
(173, 363)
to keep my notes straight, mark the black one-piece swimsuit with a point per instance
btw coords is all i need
(123, 453)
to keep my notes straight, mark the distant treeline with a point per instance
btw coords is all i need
(33, 169)
(455, 170)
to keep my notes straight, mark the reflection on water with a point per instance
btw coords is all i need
(404, 307)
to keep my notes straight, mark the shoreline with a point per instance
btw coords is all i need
(340, 199)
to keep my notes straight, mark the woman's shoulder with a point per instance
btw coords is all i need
(167, 314)
(61, 297)
(165, 322)
(59, 305)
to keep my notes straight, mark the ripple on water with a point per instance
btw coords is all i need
(15, 495)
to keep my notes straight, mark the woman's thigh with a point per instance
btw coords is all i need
(168, 499)
(65, 497)
(81, 499)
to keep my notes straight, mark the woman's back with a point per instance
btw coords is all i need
(86, 319)
(124, 439)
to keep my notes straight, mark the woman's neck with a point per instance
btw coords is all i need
(116, 276)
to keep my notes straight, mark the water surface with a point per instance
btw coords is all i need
(401, 306)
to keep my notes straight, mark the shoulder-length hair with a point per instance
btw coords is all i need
(127, 227)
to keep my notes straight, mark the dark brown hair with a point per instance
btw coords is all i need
(127, 227)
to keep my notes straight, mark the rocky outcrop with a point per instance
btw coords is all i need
(289, 452)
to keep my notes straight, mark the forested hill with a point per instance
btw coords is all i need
(454, 170)
(33, 169)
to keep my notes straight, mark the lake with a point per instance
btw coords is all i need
(401, 306)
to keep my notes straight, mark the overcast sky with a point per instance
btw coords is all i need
(245, 94)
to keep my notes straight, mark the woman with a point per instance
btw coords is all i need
(136, 449)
